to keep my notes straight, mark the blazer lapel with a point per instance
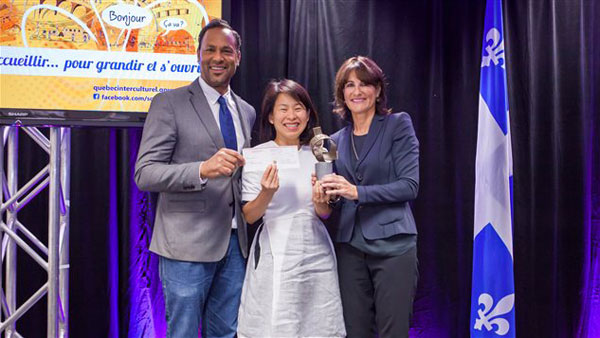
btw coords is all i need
(345, 151)
(205, 114)
(243, 121)
(374, 130)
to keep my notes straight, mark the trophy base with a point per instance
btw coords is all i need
(323, 168)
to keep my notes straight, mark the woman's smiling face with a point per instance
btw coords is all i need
(360, 97)
(289, 117)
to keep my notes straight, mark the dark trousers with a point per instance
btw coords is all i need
(377, 292)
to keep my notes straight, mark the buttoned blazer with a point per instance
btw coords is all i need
(386, 177)
(193, 221)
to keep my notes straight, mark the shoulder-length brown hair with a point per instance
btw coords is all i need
(367, 71)
(298, 93)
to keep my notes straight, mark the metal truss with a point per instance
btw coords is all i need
(54, 258)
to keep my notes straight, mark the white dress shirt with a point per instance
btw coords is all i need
(212, 98)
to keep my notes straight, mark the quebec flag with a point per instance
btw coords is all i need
(493, 289)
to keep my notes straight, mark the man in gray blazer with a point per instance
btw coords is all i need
(189, 154)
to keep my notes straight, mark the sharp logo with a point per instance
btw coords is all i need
(17, 114)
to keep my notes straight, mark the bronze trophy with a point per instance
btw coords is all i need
(325, 150)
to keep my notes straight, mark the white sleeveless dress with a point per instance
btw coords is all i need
(291, 286)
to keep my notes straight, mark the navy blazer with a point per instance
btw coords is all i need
(386, 177)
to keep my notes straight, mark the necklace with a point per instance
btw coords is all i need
(353, 146)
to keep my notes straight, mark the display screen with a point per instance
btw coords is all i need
(96, 60)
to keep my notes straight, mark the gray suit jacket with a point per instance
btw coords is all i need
(193, 221)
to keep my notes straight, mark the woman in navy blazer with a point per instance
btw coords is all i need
(377, 176)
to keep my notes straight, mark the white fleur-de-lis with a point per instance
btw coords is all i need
(494, 49)
(489, 317)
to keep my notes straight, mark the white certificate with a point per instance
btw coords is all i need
(257, 159)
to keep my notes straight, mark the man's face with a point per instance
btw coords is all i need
(219, 58)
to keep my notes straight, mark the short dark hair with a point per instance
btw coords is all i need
(367, 71)
(296, 91)
(219, 23)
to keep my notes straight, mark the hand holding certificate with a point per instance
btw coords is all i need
(257, 159)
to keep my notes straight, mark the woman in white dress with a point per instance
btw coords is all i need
(291, 286)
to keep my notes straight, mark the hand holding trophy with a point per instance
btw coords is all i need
(335, 186)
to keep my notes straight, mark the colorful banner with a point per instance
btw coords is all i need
(97, 55)
(493, 290)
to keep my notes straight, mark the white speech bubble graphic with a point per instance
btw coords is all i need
(127, 16)
(173, 24)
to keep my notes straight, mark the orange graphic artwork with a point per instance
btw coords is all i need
(66, 51)
(179, 41)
